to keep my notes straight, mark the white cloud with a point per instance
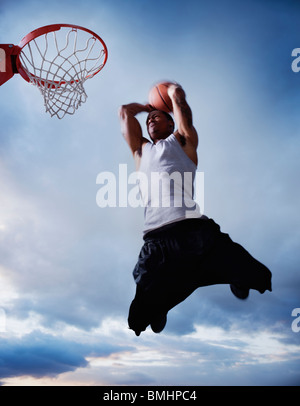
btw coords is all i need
(210, 356)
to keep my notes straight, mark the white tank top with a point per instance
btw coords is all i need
(166, 177)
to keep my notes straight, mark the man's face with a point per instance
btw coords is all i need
(158, 125)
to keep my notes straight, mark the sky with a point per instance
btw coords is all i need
(66, 264)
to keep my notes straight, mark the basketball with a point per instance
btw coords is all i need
(159, 98)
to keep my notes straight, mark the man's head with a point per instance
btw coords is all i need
(159, 125)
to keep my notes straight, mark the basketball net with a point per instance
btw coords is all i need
(59, 68)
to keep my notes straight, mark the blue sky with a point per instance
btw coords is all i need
(66, 264)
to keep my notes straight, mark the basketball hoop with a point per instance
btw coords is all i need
(58, 59)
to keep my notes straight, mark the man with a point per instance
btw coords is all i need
(182, 250)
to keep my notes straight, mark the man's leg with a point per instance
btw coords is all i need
(148, 308)
(228, 262)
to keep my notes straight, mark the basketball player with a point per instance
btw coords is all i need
(182, 250)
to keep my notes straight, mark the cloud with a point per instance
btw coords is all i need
(38, 355)
(208, 356)
(59, 262)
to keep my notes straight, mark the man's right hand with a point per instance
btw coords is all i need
(131, 128)
(134, 108)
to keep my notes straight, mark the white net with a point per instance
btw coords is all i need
(59, 63)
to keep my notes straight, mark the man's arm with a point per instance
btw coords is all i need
(183, 115)
(131, 128)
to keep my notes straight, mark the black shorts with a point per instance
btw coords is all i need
(180, 257)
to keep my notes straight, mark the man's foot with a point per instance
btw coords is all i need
(159, 324)
(240, 293)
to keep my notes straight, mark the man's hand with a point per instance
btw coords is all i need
(184, 120)
(130, 126)
(175, 89)
(133, 109)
